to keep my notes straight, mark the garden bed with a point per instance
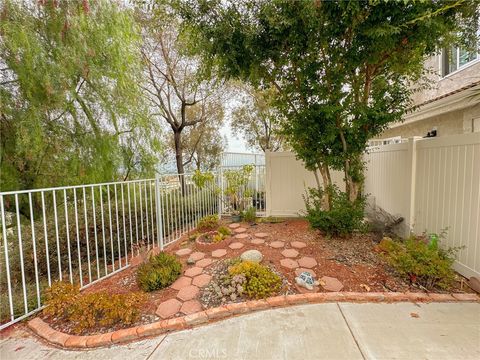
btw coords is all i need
(287, 247)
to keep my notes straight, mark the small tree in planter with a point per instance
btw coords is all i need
(237, 194)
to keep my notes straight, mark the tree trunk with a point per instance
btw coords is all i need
(327, 183)
(179, 158)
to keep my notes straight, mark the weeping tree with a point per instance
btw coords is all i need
(343, 70)
(70, 102)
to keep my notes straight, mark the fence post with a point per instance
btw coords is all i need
(220, 187)
(158, 210)
(268, 195)
(412, 154)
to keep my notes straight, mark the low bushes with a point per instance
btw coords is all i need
(159, 272)
(87, 311)
(421, 261)
(208, 223)
(260, 282)
(342, 219)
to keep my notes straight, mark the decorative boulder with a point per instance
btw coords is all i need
(306, 280)
(252, 255)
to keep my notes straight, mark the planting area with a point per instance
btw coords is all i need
(255, 261)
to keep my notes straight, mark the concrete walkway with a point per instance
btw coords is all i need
(321, 331)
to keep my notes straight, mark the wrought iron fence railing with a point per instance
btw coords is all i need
(86, 233)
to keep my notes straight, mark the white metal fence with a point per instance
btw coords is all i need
(86, 233)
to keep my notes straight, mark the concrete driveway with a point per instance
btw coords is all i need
(319, 331)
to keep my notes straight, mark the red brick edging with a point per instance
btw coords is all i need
(43, 330)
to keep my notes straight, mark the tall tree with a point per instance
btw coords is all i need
(342, 69)
(257, 120)
(70, 100)
(178, 92)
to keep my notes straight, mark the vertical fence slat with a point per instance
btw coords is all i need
(7, 260)
(34, 245)
(69, 253)
(78, 237)
(103, 231)
(46, 238)
(94, 210)
(55, 217)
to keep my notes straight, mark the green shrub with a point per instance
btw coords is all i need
(260, 281)
(159, 272)
(88, 311)
(249, 215)
(208, 223)
(224, 231)
(342, 219)
(422, 262)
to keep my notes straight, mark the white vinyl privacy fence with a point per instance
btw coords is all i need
(433, 183)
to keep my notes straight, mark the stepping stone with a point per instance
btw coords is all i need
(201, 280)
(289, 263)
(168, 308)
(290, 253)
(188, 293)
(235, 245)
(331, 284)
(240, 230)
(277, 244)
(183, 252)
(241, 236)
(219, 253)
(307, 262)
(258, 241)
(203, 263)
(234, 226)
(194, 271)
(261, 235)
(298, 244)
(301, 269)
(181, 282)
(191, 307)
(197, 256)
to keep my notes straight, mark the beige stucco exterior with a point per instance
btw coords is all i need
(443, 105)
(448, 123)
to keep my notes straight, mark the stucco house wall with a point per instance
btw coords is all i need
(447, 105)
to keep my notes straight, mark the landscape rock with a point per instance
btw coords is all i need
(252, 255)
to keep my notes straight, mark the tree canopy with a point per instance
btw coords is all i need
(343, 70)
(70, 105)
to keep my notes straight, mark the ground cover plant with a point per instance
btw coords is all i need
(88, 311)
(421, 260)
(158, 272)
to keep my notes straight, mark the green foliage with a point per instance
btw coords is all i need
(257, 120)
(88, 311)
(208, 223)
(343, 217)
(249, 215)
(342, 69)
(236, 188)
(71, 106)
(159, 272)
(422, 262)
(261, 282)
(224, 230)
(201, 179)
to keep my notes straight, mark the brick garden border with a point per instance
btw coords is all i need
(43, 330)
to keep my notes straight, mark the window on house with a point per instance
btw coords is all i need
(453, 58)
